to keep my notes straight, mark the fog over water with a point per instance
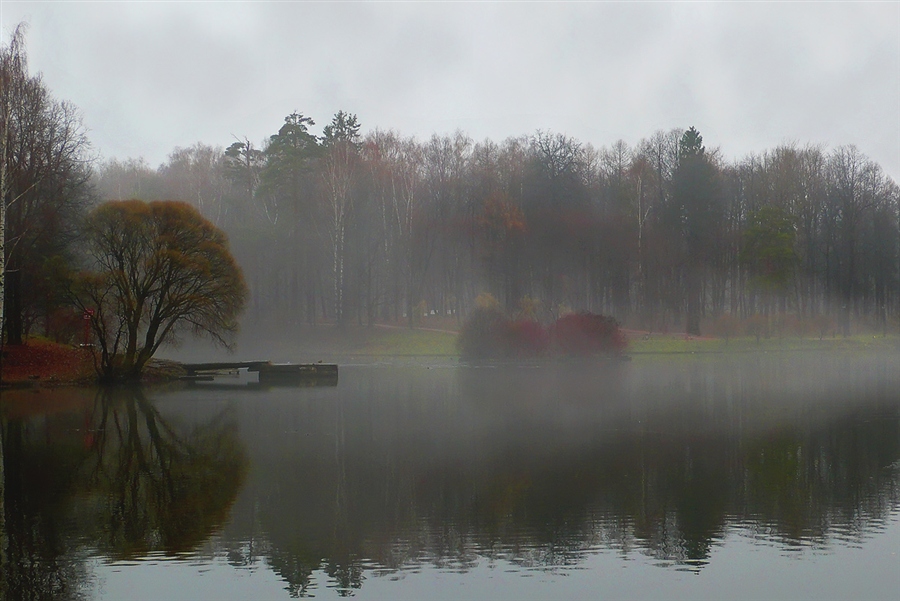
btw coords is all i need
(537, 181)
(778, 471)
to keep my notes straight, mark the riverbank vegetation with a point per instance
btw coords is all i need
(40, 362)
(490, 334)
(362, 228)
(662, 235)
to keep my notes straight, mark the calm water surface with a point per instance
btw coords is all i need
(775, 477)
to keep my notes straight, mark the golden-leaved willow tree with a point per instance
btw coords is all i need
(158, 269)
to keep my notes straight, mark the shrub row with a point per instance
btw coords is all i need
(489, 334)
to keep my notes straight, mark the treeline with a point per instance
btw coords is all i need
(350, 228)
(661, 235)
(45, 188)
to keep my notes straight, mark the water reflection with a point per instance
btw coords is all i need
(105, 473)
(401, 468)
(538, 467)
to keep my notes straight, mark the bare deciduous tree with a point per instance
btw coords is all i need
(43, 180)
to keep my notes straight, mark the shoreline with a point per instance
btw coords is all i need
(40, 363)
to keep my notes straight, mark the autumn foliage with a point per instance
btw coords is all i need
(489, 334)
(159, 269)
(580, 334)
(44, 361)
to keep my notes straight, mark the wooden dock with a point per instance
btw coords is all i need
(290, 372)
(194, 369)
(268, 372)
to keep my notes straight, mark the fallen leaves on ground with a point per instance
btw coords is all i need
(44, 361)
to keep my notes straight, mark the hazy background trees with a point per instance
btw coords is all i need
(663, 235)
(353, 227)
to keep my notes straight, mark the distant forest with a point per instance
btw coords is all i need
(665, 235)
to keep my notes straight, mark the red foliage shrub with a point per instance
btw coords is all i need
(488, 334)
(580, 334)
(526, 338)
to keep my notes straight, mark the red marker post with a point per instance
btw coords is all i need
(88, 314)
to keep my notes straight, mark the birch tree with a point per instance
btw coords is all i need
(45, 175)
(197, 176)
(341, 140)
(12, 72)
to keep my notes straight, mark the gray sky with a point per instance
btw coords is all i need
(151, 76)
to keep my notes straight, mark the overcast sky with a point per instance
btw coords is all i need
(151, 76)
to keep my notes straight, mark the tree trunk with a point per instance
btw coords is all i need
(3, 193)
(693, 301)
(13, 308)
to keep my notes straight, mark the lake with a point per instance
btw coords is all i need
(768, 475)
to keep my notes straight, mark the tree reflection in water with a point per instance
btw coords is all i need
(158, 489)
(400, 470)
(115, 478)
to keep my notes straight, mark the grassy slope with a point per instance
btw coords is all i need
(680, 344)
(323, 342)
(405, 342)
